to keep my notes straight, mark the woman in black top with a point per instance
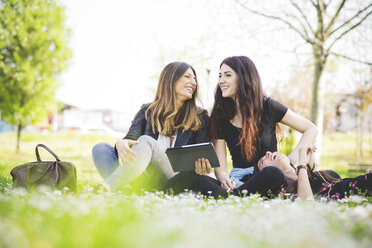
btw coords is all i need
(244, 119)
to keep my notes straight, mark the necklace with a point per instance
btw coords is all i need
(288, 170)
(329, 184)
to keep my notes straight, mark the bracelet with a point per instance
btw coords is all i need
(300, 167)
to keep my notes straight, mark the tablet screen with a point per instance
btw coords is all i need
(183, 158)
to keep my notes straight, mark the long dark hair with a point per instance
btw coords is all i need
(323, 175)
(249, 98)
(165, 117)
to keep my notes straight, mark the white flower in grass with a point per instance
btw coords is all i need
(57, 192)
(266, 205)
(20, 191)
(357, 199)
(41, 204)
(344, 200)
(360, 212)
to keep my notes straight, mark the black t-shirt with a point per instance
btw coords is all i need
(273, 112)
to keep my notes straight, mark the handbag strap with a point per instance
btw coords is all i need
(46, 148)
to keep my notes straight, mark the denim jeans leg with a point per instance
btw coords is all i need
(105, 159)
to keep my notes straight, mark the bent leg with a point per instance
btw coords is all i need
(264, 182)
(148, 151)
(105, 159)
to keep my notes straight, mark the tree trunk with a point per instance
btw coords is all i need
(317, 100)
(361, 146)
(19, 129)
(357, 128)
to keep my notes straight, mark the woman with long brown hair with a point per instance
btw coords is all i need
(172, 119)
(245, 120)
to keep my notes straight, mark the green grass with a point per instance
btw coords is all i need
(92, 218)
(339, 153)
(69, 146)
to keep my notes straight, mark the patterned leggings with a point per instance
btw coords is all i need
(151, 168)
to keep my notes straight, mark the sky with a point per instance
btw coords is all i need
(120, 47)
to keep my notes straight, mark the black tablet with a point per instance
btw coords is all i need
(183, 158)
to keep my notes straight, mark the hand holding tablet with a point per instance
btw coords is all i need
(202, 166)
(190, 157)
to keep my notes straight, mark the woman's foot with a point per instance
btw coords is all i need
(106, 186)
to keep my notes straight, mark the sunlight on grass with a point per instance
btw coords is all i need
(93, 218)
(97, 219)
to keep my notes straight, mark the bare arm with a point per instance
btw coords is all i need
(302, 125)
(220, 147)
(221, 172)
(303, 185)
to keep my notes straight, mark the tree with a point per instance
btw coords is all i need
(33, 52)
(321, 24)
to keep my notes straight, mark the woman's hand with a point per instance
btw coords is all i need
(369, 171)
(304, 153)
(202, 166)
(124, 152)
(227, 184)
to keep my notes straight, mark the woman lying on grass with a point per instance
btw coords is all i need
(304, 182)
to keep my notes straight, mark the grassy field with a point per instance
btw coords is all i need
(92, 218)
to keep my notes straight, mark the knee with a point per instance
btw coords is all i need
(274, 174)
(146, 142)
(101, 148)
(146, 138)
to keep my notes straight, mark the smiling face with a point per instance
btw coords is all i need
(185, 86)
(227, 81)
(276, 159)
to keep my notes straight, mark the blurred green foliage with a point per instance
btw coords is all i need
(288, 143)
(33, 51)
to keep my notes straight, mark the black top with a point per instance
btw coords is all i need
(142, 126)
(273, 112)
(317, 183)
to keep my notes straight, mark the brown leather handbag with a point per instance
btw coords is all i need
(55, 174)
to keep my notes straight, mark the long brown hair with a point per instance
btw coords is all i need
(249, 98)
(166, 118)
(323, 175)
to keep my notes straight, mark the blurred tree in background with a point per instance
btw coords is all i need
(321, 24)
(33, 52)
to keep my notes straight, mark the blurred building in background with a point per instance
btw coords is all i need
(348, 116)
(108, 122)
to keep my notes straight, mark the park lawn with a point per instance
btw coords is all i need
(93, 218)
(69, 146)
(338, 151)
